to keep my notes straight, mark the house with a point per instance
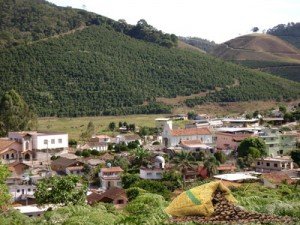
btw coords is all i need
(94, 145)
(172, 137)
(31, 210)
(106, 157)
(229, 138)
(194, 145)
(11, 151)
(114, 195)
(273, 120)
(160, 122)
(17, 168)
(274, 164)
(128, 138)
(237, 177)
(67, 166)
(110, 177)
(240, 122)
(22, 191)
(41, 145)
(278, 143)
(154, 172)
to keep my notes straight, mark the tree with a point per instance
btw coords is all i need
(192, 115)
(4, 194)
(295, 155)
(61, 190)
(255, 29)
(90, 130)
(282, 109)
(140, 156)
(248, 145)
(112, 126)
(15, 114)
(211, 165)
(128, 180)
(220, 156)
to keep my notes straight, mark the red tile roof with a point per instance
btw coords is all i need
(191, 132)
(112, 194)
(112, 169)
(4, 144)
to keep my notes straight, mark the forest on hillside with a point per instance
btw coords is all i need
(98, 71)
(25, 21)
(201, 43)
(289, 32)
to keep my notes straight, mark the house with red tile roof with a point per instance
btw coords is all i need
(172, 137)
(110, 177)
(114, 195)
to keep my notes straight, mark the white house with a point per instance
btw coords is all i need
(110, 177)
(154, 172)
(21, 191)
(39, 143)
(172, 137)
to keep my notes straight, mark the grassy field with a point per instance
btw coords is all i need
(75, 126)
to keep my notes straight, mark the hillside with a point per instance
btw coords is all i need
(26, 21)
(264, 52)
(99, 71)
(289, 32)
(104, 67)
(199, 43)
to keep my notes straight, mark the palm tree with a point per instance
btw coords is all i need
(184, 161)
(211, 164)
(141, 156)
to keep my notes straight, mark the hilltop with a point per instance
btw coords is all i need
(200, 43)
(265, 52)
(100, 69)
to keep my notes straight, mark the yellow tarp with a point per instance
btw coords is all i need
(198, 200)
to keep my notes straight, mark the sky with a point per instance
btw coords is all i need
(215, 20)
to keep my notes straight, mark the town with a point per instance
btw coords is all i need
(181, 151)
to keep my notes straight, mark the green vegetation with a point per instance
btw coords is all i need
(283, 69)
(25, 21)
(15, 114)
(4, 194)
(61, 190)
(203, 44)
(100, 71)
(289, 32)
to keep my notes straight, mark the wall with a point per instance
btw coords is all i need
(39, 141)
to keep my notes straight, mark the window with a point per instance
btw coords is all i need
(275, 165)
(45, 142)
(52, 141)
(149, 174)
(60, 141)
(158, 174)
(258, 163)
(268, 164)
(29, 189)
(18, 190)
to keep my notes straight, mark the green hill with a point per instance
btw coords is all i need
(25, 21)
(263, 52)
(101, 70)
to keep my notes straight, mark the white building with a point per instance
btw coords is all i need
(110, 177)
(240, 122)
(39, 143)
(172, 137)
(21, 191)
(274, 164)
(154, 172)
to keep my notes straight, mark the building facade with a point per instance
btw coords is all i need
(172, 137)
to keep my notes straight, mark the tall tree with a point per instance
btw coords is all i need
(255, 147)
(15, 114)
(90, 130)
(61, 190)
(211, 165)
